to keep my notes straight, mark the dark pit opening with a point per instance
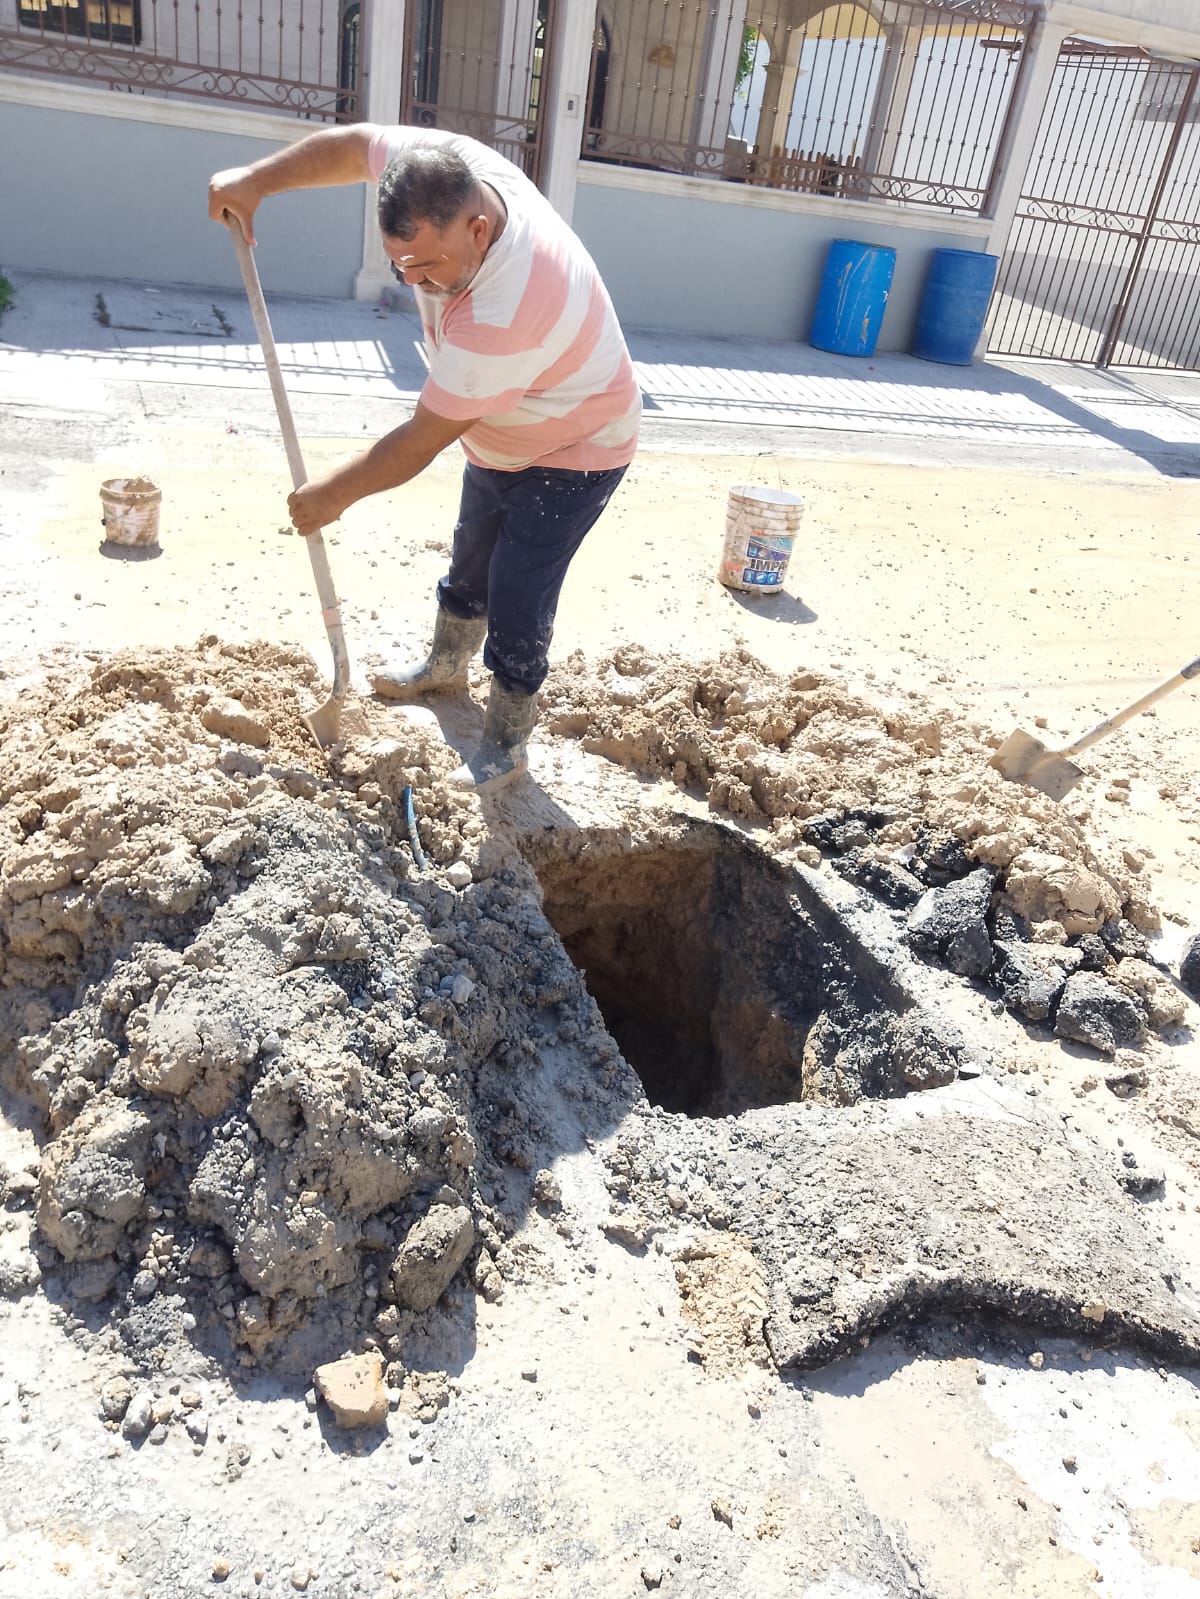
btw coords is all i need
(722, 990)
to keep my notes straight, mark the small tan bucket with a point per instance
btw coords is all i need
(131, 506)
(760, 529)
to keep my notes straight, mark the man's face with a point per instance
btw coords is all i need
(440, 261)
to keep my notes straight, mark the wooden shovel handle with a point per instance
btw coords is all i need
(317, 554)
(1110, 725)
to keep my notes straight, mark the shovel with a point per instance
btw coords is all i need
(1025, 759)
(325, 722)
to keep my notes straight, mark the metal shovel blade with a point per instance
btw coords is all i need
(1025, 759)
(324, 723)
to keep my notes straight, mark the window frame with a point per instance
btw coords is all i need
(69, 19)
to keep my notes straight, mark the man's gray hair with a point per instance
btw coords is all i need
(427, 183)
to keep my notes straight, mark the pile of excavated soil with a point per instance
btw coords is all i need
(287, 1078)
(994, 879)
(272, 1057)
(795, 752)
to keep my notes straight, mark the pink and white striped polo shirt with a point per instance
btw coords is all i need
(533, 347)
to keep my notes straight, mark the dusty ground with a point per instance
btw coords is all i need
(633, 1384)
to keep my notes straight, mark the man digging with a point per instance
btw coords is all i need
(528, 369)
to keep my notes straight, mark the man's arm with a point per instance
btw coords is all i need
(333, 156)
(397, 457)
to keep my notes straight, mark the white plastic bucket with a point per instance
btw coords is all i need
(760, 529)
(131, 506)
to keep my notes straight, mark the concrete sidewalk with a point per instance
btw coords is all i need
(127, 353)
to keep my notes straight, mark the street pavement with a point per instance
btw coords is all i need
(78, 348)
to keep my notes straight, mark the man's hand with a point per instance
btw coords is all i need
(236, 191)
(314, 505)
(396, 459)
(332, 156)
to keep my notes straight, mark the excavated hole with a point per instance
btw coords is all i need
(712, 974)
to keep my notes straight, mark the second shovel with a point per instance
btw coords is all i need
(1025, 759)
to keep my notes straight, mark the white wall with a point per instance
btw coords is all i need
(123, 193)
(702, 257)
(1172, 26)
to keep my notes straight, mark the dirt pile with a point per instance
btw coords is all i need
(291, 1086)
(992, 879)
(254, 1031)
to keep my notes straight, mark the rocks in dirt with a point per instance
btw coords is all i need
(925, 1053)
(1164, 1005)
(1124, 941)
(1189, 967)
(139, 1415)
(1093, 1012)
(196, 1426)
(722, 1511)
(114, 1399)
(18, 1184)
(1136, 1177)
(354, 1390)
(19, 1277)
(630, 1229)
(1031, 977)
(229, 718)
(843, 833)
(1093, 953)
(92, 1280)
(93, 1183)
(1112, 1010)
(887, 880)
(851, 1054)
(1043, 886)
(723, 1297)
(939, 857)
(431, 1254)
(827, 767)
(952, 923)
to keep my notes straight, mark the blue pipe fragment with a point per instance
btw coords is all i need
(414, 838)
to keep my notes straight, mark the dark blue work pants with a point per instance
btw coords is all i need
(514, 539)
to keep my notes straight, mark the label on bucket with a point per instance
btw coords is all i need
(766, 562)
(758, 543)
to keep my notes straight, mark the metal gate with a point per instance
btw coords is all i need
(481, 70)
(1103, 260)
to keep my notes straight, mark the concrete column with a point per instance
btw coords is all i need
(383, 86)
(1024, 120)
(768, 111)
(566, 102)
(788, 78)
(514, 75)
(891, 98)
(718, 75)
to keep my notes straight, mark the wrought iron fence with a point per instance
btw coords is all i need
(1103, 261)
(906, 101)
(295, 56)
(478, 69)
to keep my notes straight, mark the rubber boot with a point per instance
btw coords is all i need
(501, 755)
(454, 643)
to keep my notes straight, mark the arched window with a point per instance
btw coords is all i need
(749, 85)
(598, 86)
(349, 39)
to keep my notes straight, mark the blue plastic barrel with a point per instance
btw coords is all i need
(954, 306)
(853, 297)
